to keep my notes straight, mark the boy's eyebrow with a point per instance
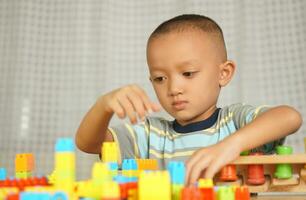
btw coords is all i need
(178, 65)
(187, 62)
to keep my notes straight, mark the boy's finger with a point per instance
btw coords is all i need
(145, 98)
(190, 163)
(117, 108)
(128, 108)
(213, 168)
(137, 104)
(197, 170)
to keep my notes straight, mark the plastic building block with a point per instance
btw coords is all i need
(242, 193)
(228, 173)
(256, 172)
(205, 183)
(208, 193)
(13, 197)
(64, 176)
(177, 172)
(23, 174)
(2, 174)
(154, 185)
(130, 168)
(225, 193)
(64, 145)
(110, 152)
(126, 187)
(43, 196)
(176, 191)
(24, 162)
(100, 173)
(191, 193)
(245, 153)
(129, 164)
(283, 171)
(147, 164)
(21, 183)
(110, 190)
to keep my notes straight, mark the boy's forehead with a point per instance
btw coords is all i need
(210, 40)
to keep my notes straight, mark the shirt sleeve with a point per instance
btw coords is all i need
(244, 114)
(132, 140)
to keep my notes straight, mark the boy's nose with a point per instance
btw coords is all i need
(174, 88)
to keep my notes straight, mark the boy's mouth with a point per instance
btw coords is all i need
(179, 105)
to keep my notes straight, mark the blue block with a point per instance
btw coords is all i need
(129, 164)
(59, 196)
(112, 166)
(2, 174)
(64, 145)
(177, 172)
(34, 196)
(121, 179)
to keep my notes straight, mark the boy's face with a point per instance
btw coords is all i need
(185, 73)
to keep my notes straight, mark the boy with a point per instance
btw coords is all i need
(188, 66)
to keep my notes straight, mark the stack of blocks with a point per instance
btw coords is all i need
(24, 165)
(138, 179)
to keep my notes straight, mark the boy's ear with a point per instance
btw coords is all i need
(227, 70)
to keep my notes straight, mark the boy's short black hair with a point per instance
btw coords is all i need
(185, 22)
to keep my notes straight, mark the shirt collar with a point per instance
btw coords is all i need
(197, 126)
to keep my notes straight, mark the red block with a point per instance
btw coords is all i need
(192, 193)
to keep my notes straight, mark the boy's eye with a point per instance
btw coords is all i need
(188, 74)
(159, 79)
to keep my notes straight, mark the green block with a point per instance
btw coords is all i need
(283, 171)
(23, 174)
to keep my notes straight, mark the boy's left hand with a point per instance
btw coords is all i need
(206, 162)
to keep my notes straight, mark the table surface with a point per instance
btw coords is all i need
(285, 197)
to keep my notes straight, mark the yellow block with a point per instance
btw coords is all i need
(65, 161)
(24, 162)
(204, 183)
(154, 185)
(109, 152)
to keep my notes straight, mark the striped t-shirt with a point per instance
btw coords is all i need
(165, 140)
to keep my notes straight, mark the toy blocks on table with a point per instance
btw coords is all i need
(177, 172)
(130, 168)
(43, 196)
(242, 193)
(283, 171)
(154, 185)
(64, 145)
(110, 152)
(65, 170)
(256, 172)
(24, 162)
(205, 183)
(147, 164)
(208, 193)
(23, 174)
(192, 193)
(225, 193)
(228, 173)
(2, 174)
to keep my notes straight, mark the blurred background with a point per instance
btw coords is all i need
(58, 56)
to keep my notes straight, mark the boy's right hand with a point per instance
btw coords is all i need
(129, 101)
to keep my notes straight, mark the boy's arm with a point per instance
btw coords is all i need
(273, 124)
(93, 128)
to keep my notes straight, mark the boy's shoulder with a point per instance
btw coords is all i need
(158, 122)
(242, 107)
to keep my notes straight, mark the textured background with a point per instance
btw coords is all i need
(58, 56)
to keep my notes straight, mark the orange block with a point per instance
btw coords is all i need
(147, 164)
(24, 162)
(228, 173)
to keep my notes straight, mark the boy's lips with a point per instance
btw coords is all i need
(179, 105)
